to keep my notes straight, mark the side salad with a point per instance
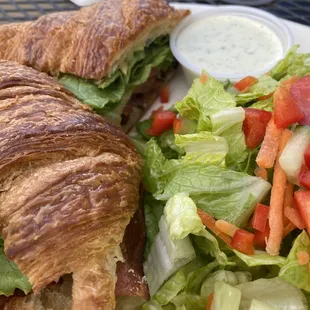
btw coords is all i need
(227, 200)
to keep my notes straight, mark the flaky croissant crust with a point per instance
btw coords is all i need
(69, 185)
(91, 42)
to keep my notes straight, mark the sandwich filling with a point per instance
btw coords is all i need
(110, 95)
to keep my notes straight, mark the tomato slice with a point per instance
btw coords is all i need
(254, 126)
(304, 177)
(300, 91)
(261, 237)
(260, 217)
(209, 221)
(302, 204)
(245, 83)
(243, 241)
(163, 121)
(286, 110)
(164, 95)
(307, 157)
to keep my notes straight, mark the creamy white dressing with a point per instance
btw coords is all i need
(229, 44)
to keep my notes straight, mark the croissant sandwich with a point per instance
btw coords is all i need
(69, 185)
(114, 56)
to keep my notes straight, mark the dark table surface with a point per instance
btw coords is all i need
(21, 10)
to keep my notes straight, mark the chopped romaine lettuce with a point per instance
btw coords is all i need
(263, 87)
(226, 297)
(229, 277)
(266, 104)
(292, 271)
(168, 146)
(204, 99)
(186, 301)
(258, 305)
(166, 257)
(181, 216)
(275, 292)
(260, 258)
(203, 147)
(11, 277)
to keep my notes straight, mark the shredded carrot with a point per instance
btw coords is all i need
(265, 97)
(209, 221)
(288, 200)
(203, 78)
(276, 201)
(268, 151)
(303, 257)
(288, 229)
(261, 173)
(226, 227)
(210, 301)
(293, 215)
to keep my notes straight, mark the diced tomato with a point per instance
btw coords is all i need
(304, 177)
(288, 83)
(302, 204)
(160, 109)
(162, 121)
(209, 221)
(245, 83)
(210, 301)
(286, 111)
(307, 157)
(164, 94)
(254, 126)
(177, 125)
(260, 217)
(261, 237)
(203, 78)
(301, 93)
(243, 241)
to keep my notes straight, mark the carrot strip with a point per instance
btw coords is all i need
(288, 200)
(293, 215)
(210, 301)
(226, 227)
(261, 173)
(288, 229)
(209, 221)
(268, 151)
(276, 201)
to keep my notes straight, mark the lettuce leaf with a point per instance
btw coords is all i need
(203, 147)
(292, 271)
(186, 301)
(260, 258)
(266, 104)
(204, 99)
(181, 216)
(107, 95)
(263, 87)
(275, 292)
(226, 297)
(11, 277)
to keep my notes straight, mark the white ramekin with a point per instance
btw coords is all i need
(272, 22)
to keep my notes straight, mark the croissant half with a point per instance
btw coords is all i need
(69, 185)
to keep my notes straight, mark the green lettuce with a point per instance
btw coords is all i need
(186, 301)
(11, 277)
(263, 87)
(204, 99)
(181, 216)
(292, 271)
(168, 145)
(260, 258)
(258, 305)
(226, 297)
(107, 96)
(275, 292)
(203, 147)
(266, 104)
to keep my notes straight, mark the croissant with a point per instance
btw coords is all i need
(114, 55)
(69, 185)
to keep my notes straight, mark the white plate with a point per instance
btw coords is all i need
(178, 87)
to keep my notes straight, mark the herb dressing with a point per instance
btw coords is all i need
(229, 44)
